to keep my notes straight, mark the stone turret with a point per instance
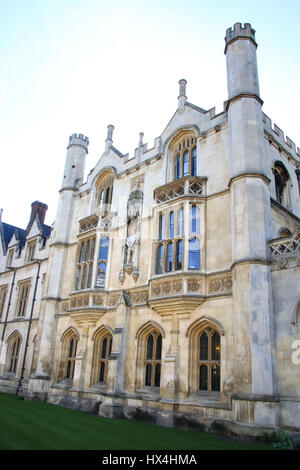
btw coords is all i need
(75, 161)
(251, 224)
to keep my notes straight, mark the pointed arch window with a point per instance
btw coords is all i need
(209, 356)
(13, 351)
(3, 294)
(102, 351)
(185, 157)
(85, 260)
(68, 358)
(281, 177)
(104, 190)
(152, 363)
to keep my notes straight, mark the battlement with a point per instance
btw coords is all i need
(239, 31)
(78, 139)
(279, 134)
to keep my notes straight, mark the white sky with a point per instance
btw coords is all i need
(76, 66)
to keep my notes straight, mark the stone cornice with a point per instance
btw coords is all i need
(236, 38)
(248, 175)
(243, 95)
(250, 261)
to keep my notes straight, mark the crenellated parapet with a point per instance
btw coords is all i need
(239, 32)
(79, 139)
(279, 135)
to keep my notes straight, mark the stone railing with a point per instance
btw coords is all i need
(286, 246)
(186, 186)
(87, 224)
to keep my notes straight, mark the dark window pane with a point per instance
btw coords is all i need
(194, 162)
(150, 347)
(104, 346)
(71, 348)
(102, 372)
(148, 375)
(169, 257)
(68, 375)
(157, 376)
(179, 255)
(215, 378)
(107, 196)
(203, 347)
(215, 347)
(158, 347)
(203, 377)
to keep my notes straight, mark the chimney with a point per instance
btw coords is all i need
(37, 208)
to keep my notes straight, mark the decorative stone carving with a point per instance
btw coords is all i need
(88, 224)
(220, 284)
(186, 186)
(194, 285)
(131, 247)
(139, 297)
(97, 300)
(286, 246)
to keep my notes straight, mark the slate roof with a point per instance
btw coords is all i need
(7, 231)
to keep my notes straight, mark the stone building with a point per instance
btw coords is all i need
(169, 286)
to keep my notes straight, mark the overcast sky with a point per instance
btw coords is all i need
(76, 66)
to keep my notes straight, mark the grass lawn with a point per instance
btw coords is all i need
(40, 426)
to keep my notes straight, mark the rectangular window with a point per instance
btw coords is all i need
(298, 179)
(3, 294)
(23, 295)
(10, 257)
(102, 262)
(30, 251)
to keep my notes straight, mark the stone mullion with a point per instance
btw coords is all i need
(186, 222)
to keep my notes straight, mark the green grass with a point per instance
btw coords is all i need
(28, 425)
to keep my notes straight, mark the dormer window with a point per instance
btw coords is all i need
(185, 159)
(10, 257)
(30, 251)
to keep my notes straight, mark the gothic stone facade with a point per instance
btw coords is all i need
(169, 286)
